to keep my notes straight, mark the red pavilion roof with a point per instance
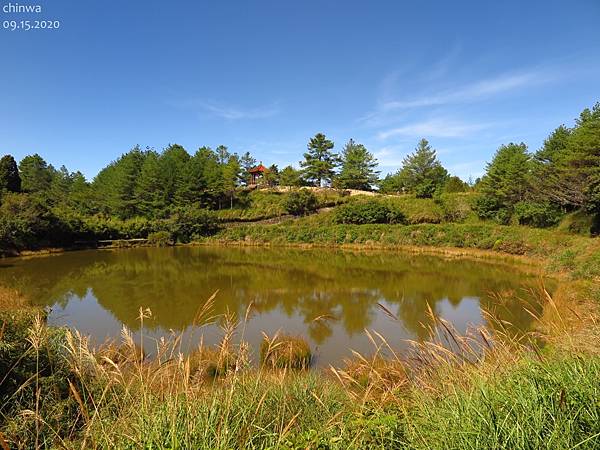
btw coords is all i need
(259, 168)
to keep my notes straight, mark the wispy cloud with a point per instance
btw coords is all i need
(434, 128)
(389, 108)
(229, 111)
(232, 112)
(475, 91)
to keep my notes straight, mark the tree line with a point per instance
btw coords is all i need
(539, 187)
(173, 185)
(147, 183)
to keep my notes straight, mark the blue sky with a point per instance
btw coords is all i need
(265, 76)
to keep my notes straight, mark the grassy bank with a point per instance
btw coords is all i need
(558, 251)
(486, 389)
(491, 391)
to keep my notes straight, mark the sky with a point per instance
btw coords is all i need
(264, 76)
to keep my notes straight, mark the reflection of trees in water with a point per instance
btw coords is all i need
(344, 287)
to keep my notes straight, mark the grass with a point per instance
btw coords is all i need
(484, 389)
(559, 252)
(284, 351)
(478, 390)
(268, 204)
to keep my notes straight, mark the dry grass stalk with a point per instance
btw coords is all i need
(283, 351)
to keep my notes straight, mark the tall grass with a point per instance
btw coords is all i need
(482, 389)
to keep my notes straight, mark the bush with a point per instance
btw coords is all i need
(579, 222)
(540, 215)
(455, 208)
(486, 207)
(365, 212)
(301, 202)
(25, 222)
(187, 224)
(160, 239)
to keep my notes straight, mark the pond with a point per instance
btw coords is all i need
(327, 296)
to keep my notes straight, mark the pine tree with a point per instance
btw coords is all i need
(421, 172)
(35, 174)
(272, 175)
(290, 177)
(247, 161)
(9, 175)
(358, 168)
(150, 190)
(506, 182)
(172, 163)
(319, 162)
(231, 173)
(115, 186)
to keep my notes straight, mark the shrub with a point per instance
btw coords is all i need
(160, 239)
(365, 212)
(187, 224)
(540, 215)
(579, 222)
(486, 207)
(455, 208)
(301, 202)
(26, 222)
(136, 227)
(285, 352)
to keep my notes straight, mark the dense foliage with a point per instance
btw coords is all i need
(537, 189)
(370, 211)
(301, 202)
(358, 168)
(145, 191)
(421, 174)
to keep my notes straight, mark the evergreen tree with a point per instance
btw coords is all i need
(207, 162)
(290, 177)
(358, 168)
(231, 173)
(505, 183)
(35, 174)
(391, 184)
(272, 175)
(571, 177)
(319, 162)
(172, 163)
(455, 184)
(247, 161)
(115, 185)
(222, 154)
(60, 185)
(80, 194)
(9, 175)
(150, 189)
(421, 174)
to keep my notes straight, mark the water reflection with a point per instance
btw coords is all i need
(328, 296)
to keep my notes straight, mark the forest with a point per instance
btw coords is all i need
(145, 191)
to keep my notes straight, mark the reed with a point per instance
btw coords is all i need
(482, 389)
(284, 351)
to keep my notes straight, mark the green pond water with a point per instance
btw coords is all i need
(328, 296)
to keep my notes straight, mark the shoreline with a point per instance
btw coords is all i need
(527, 264)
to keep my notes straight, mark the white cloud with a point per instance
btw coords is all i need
(228, 111)
(231, 112)
(434, 128)
(390, 109)
(472, 92)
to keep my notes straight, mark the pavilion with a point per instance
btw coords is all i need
(257, 174)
